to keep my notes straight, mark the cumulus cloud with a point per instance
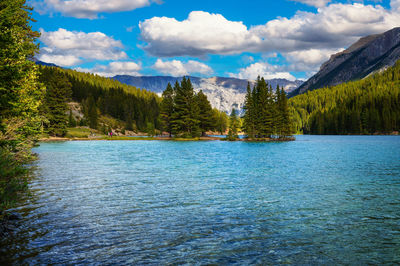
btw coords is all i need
(264, 70)
(395, 5)
(69, 48)
(178, 68)
(114, 68)
(316, 3)
(306, 38)
(308, 60)
(202, 33)
(90, 8)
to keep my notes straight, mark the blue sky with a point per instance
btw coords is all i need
(284, 39)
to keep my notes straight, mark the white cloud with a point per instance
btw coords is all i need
(202, 33)
(395, 5)
(307, 38)
(309, 60)
(68, 48)
(178, 68)
(264, 70)
(114, 68)
(90, 8)
(316, 3)
(60, 60)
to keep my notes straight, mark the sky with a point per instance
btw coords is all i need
(227, 38)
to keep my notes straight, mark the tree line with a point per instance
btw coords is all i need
(137, 109)
(185, 113)
(266, 112)
(367, 106)
(21, 95)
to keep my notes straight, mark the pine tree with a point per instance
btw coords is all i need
(20, 91)
(185, 117)
(92, 113)
(266, 113)
(20, 98)
(278, 119)
(287, 127)
(249, 115)
(205, 113)
(58, 92)
(167, 109)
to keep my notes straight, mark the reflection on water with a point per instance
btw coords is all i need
(318, 200)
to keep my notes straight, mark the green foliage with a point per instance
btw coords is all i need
(186, 111)
(54, 108)
(167, 109)
(20, 98)
(233, 125)
(135, 107)
(367, 106)
(20, 91)
(78, 132)
(205, 117)
(150, 129)
(266, 113)
(221, 121)
(186, 114)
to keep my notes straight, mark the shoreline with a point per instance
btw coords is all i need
(127, 138)
(208, 138)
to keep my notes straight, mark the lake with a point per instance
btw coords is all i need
(317, 200)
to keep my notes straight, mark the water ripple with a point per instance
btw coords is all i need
(319, 200)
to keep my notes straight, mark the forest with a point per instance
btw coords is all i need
(137, 109)
(266, 112)
(187, 114)
(367, 106)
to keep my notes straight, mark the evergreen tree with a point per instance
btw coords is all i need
(92, 113)
(20, 98)
(266, 113)
(367, 106)
(287, 127)
(205, 113)
(167, 108)
(185, 117)
(20, 91)
(58, 92)
(249, 115)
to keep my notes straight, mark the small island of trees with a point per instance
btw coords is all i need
(187, 114)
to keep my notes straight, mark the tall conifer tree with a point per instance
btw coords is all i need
(167, 108)
(205, 113)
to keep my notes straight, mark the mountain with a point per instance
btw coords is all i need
(223, 93)
(368, 55)
(41, 63)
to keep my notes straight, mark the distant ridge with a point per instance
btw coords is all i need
(224, 93)
(38, 62)
(369, 54)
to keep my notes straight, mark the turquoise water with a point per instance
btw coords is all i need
(318, 200)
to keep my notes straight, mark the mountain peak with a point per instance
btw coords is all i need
(369, 54)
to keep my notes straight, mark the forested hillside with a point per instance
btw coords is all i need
(138, 109)
(367, 106)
